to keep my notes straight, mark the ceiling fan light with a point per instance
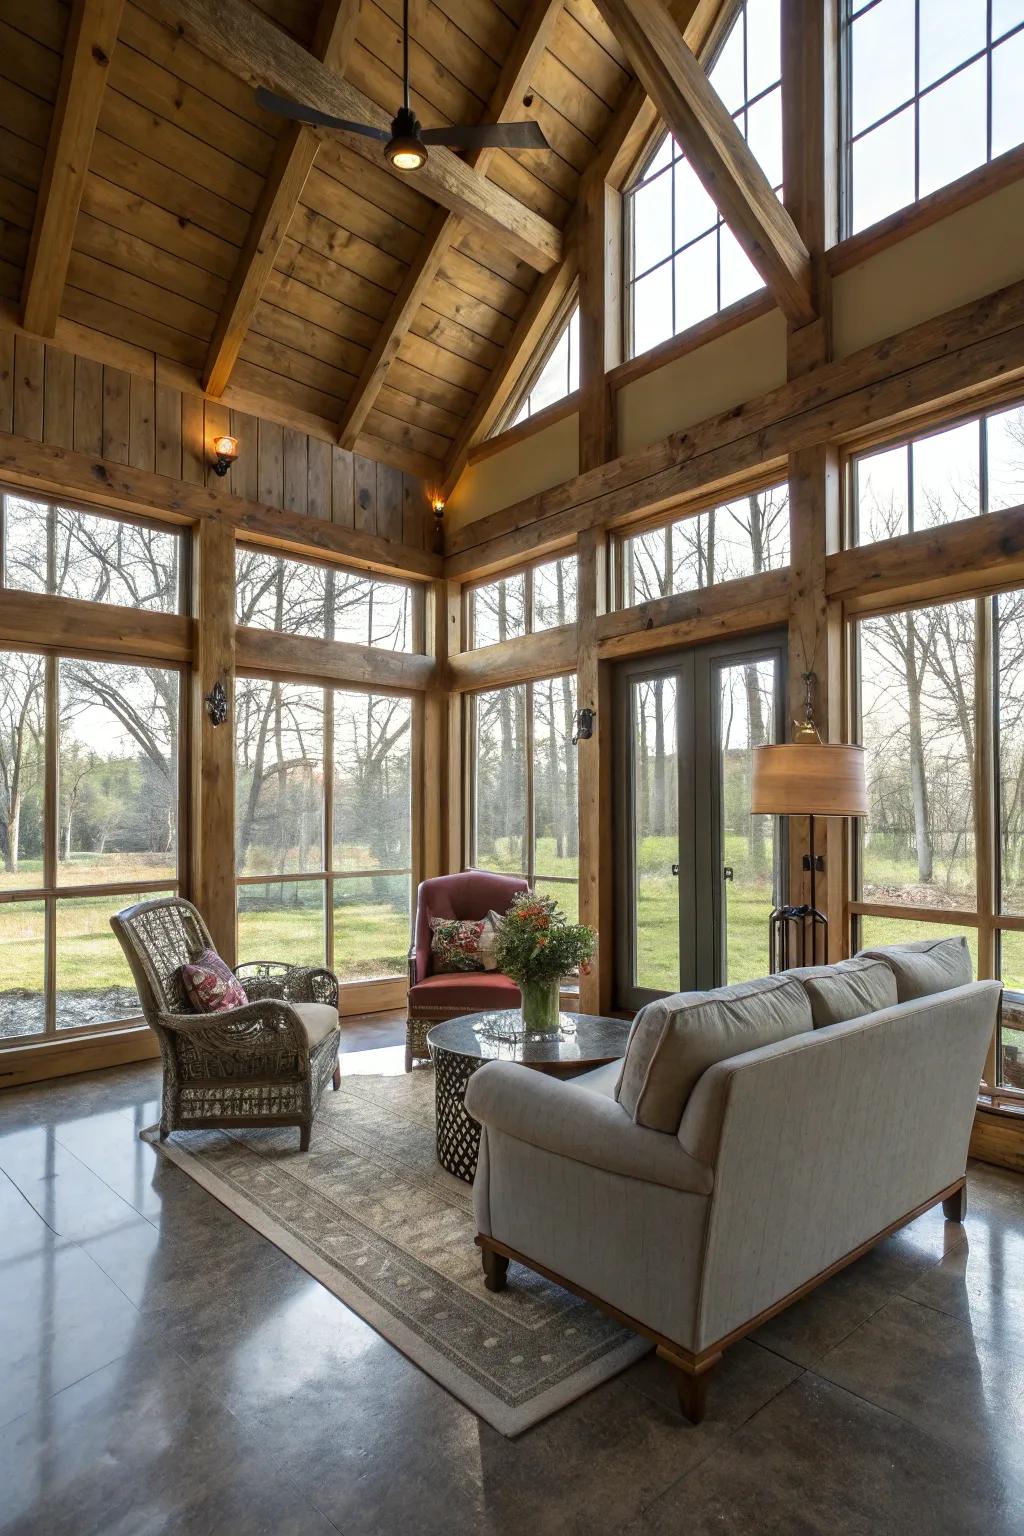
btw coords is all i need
(406, 153)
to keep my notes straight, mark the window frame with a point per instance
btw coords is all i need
(849, 13)
(327, 874)
(525, 570)
(539, 361)
(51, 891)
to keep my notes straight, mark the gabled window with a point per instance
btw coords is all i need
(557, 376)
(931, 90)
(683, 262)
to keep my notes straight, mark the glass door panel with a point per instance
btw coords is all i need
(655, 834)
(746, 712)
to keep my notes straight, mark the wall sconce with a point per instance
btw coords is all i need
(584, 725)
(437, 506)
(226, 452)
(216, 702)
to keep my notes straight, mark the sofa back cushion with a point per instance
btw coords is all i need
(926, 965)
(847, 990)
(675, 1040)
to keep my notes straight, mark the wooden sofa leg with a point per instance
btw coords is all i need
(495, 1269)
(692, 1386)
(304, 1134)
(955, 1207)
(336, 1079)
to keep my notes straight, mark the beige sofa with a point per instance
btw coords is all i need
(753, 1142)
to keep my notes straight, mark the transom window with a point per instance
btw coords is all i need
(540, 597)
(740, 538)
(932, 90)
(962, 471)
(559, 374)
(683, 262)
(302, 597)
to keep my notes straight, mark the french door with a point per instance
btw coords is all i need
(697, 874)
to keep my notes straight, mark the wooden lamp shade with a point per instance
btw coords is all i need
(809, 778)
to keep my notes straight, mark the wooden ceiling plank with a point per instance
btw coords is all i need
(92, 36)
(530, 42)
(291, 164)
(243, 40)
(716, 149)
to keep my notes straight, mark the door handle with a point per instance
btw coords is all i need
(727, 872)
(675, 870)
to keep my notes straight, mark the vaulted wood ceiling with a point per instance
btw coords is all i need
(291, 268)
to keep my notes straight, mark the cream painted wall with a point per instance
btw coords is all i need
(522, 469)
(727, 370)
(969, 253)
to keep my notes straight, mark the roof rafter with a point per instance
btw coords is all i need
(245, 42)
(700, 23)
(716, 149)
(91, 38)
(445, 228)
(293, 160)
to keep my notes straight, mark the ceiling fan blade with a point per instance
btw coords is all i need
(488, 136)
(285, 107)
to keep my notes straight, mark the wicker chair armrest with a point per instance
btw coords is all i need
(267, 1023)
(290, 983)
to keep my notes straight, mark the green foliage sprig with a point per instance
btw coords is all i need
(535, 943)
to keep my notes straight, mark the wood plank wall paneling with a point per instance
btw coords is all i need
(53, 396)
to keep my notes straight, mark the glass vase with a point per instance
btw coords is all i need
(540, 1006)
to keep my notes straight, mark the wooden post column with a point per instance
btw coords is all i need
(810, 162)
(594, 772)
(213, 746)
(442, 737)
(600, 321)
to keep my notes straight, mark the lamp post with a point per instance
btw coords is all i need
(806, 777)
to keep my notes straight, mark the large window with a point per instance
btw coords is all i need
(926, 863)
(962, 471)
(524, 809)
(741, 538)
(557, 376)
(932, 91)
(89, 822)
(49, 547)
(683, 262)
(323, 827)
(301, 597)
(541, 597)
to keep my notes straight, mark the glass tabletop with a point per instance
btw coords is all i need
(583, 1039)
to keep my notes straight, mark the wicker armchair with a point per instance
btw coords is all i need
(264, 1064)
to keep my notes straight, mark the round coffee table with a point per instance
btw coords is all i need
(459, 1047)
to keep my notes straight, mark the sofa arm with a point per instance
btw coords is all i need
(585, 1127)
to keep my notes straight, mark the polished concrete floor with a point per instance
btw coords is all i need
(163, 1369)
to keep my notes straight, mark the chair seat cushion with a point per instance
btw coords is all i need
(675, 1040)
(471, 990)
(318, 1020)
(925, 966)
(850, 989)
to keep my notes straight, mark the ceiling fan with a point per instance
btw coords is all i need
(406, 142)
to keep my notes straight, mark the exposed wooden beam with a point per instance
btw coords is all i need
(91, 38)
(600, 320)
(335, 661)
(38, 618)
(506, 103)
(683, 618)
(62, 472)
(293, 160)
(951, 358)
(716, 149)
(245, 42)
(515, 661)
(624, 138)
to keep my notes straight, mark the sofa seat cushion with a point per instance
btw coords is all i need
(471, 990)
(847, 990)
(674, 1040)
(318, 1020)
(925, 966)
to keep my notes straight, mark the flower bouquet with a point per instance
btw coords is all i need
(537, 947)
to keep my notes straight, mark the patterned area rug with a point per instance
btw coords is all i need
(371, 1214)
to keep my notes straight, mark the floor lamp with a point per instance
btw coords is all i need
(806, 777)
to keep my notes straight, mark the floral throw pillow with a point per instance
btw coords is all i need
(455, 944)
(210, 985)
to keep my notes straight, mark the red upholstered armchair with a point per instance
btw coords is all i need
(433, 998)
